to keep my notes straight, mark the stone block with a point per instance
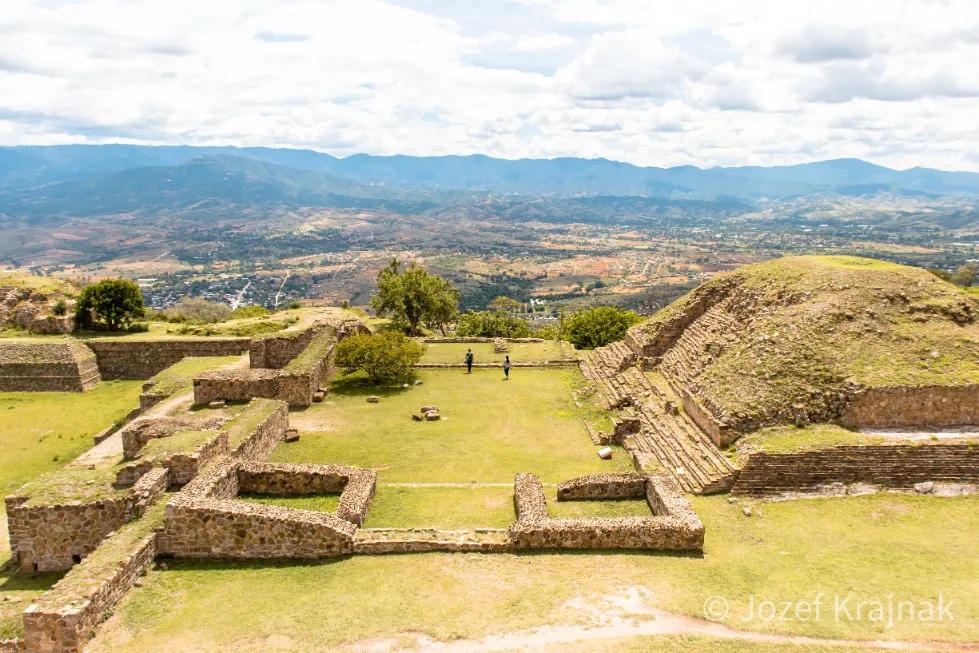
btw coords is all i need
(605, 453)
(418, 417)
(432, 416)
(428, 409)
(291, 435)
(318, 397)
(373, 399)
(217, 403)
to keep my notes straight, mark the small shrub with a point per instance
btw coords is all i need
(246, 312)
(60, 307)
(386, 357)
(598, 326)
(295, 304)
(138, 327)
(200, 311)
(492, 324)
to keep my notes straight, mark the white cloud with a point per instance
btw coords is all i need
(708, 82)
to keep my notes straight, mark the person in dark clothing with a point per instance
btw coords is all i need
(469, 361)
(506, 369)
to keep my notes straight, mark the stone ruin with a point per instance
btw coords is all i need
(673, 525)
(652, 377)
(500, 346)
(64, 365)
(291, 366)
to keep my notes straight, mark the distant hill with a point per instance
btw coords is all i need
(201, 183)
(24, 167)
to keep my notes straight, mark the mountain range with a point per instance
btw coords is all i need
(92, 179)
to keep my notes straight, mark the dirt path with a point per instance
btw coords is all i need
(626, 615)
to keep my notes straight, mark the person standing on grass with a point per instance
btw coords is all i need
(506, 369)
(469, 361)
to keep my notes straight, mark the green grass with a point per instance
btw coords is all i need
(317, 502)
(41, 431)
(180, 376)
(441, 507)
(483, 352)
(493, 429)
(183, 442)
(595, 507)
(792, 439)
(911, 547)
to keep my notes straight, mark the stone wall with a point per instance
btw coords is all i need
(565, 362)
(65, 618)
(258, 429)
(924, 405)
(603, 486)
(204, 521)
(720, 433)
(294, 384)
(138, 433)
(62, 365)
(134, 359)
(893, 466)
(675, 526)
(54, 537)
(356, 486)
(275, 351)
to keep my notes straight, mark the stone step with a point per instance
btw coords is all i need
(423, 540)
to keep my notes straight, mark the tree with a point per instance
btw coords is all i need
(412, 295)
(941, 274)
(113, 302)
(964, 275)
(597, 327)
(492, 324)
(199, 310)
(385, 357)
(505, 304)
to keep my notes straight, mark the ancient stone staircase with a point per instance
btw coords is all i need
(703, 339)
(602, 368)
(667, 436)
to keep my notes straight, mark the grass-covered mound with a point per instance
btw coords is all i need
(807, 329)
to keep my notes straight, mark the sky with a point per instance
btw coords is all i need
(695, 82)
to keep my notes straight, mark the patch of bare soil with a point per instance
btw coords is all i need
(626, 614)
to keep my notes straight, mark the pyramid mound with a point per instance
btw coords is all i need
(801, 339)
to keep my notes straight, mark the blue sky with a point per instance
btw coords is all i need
(703, 82)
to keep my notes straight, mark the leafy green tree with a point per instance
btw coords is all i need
(964, 275)
(597, 327)
(385, 357)
(412, 295)
(505, 304)
(492, 324)
(941, 274)
(116, 303)
(60, 307)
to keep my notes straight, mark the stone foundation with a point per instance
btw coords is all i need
(674, 525)
(204, 521)
(892, 466)
(924, 405)
(65, 618)
(63, 365)
(130, 359)
(603, 486)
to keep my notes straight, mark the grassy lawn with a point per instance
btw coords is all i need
(426, 507)
(792, 439)
(483, 352)
(41, 431)
(317, 502)
(180, 376)
(913, 548)
(492, 429)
